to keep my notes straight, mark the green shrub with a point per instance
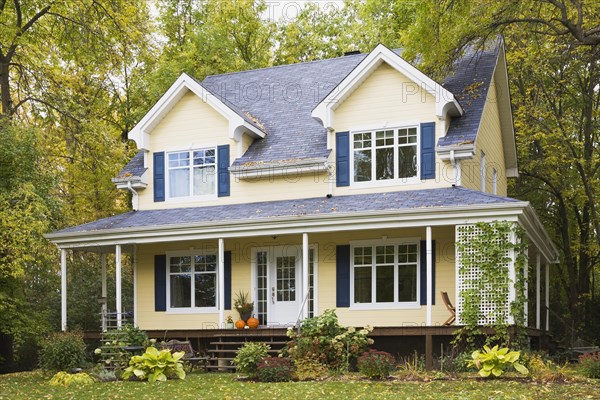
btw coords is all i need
(456, 363)
(323, 339)
(249, 355)
(590, 364)
(375, 364)
(155, 365)
(494, 362)
(62, 351)
(275, 369)
(310, 370)
(65, 379)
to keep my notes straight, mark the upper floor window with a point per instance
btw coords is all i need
(385, 155)
(192, 281)
(192, 173)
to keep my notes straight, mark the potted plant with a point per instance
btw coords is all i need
(229, 322)
(243, 305)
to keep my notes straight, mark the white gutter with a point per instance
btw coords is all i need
(134, 196)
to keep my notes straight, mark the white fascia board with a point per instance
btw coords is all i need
(438, 216)
(456, 152)
(294, 168)
(181, 86)
(445, 101)
(538, 235)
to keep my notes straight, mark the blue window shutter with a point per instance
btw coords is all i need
(342, 158)
(342, 273)
(223, 170)
(159, 176)
(423, 251)
(227, 280)
(428, 150)
(160, 282)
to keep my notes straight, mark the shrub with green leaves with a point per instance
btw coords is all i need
(63, 351)
(323, 339)
(494, 362)
(155, 365)
(590, 364)
(275, 369)
(65, 379)
(375, 364)
(249, 355)
(310, 370)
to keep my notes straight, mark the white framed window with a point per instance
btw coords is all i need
(385, 274)
(192, 282)
(494, 181)
(192, 173)
(482, 170)
(386, 155)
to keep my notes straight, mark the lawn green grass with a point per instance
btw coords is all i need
(34, 385)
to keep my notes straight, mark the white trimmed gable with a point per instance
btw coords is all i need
(184, 85)
(445, 101)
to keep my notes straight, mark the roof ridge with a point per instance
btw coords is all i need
(284, 65)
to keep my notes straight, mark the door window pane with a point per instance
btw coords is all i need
(286, 278)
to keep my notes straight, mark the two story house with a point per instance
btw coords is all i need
(333, 184)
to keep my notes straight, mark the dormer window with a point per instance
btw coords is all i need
(385, 155)
(192, 173)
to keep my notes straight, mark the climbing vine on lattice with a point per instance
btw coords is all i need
(485, 257)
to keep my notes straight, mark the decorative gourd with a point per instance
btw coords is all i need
(252, 323)
(239, 324)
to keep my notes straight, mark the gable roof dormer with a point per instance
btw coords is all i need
(239, 122)
(445, 101)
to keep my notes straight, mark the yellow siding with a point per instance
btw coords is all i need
(389, 99)
(193, 124)
(489, 140)
(241, 250)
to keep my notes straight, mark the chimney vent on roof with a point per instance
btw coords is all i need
(352, 53)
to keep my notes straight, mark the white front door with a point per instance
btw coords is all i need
(284, 288)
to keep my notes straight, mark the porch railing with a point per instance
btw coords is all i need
(109, 320)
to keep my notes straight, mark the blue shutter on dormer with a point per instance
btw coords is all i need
(342, 158)
(423, 267)
(428, 150)
(159, 176)
(223, 170)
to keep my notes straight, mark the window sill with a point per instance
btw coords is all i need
(384, 306)
(210, 310)
(385, 183)
(187, 199)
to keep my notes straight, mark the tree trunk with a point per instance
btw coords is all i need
(5, 99)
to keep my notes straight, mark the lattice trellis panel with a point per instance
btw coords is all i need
(468, 278)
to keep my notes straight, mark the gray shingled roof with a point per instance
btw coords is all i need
(282, 98)
(358, 204)
(469, 83)
(135, 167)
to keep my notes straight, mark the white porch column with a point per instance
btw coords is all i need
(221, 282)
(538, 292)
(304, 276)
(429, 262)
(526, 293)
(63, 289)
(547, 297)
(104, 292)
(118, 289)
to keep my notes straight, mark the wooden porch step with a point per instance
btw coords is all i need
(248, 341)
(235, 351)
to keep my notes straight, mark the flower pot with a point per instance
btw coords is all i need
(229, 325)
(245, 315)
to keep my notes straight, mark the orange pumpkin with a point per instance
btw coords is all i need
(252, 323)
(239, 324)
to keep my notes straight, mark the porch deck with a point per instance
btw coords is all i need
(401, 341)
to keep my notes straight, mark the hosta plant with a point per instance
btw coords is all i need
(494, 362)
(155, 365)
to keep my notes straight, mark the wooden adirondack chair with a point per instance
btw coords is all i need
(450, 308)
